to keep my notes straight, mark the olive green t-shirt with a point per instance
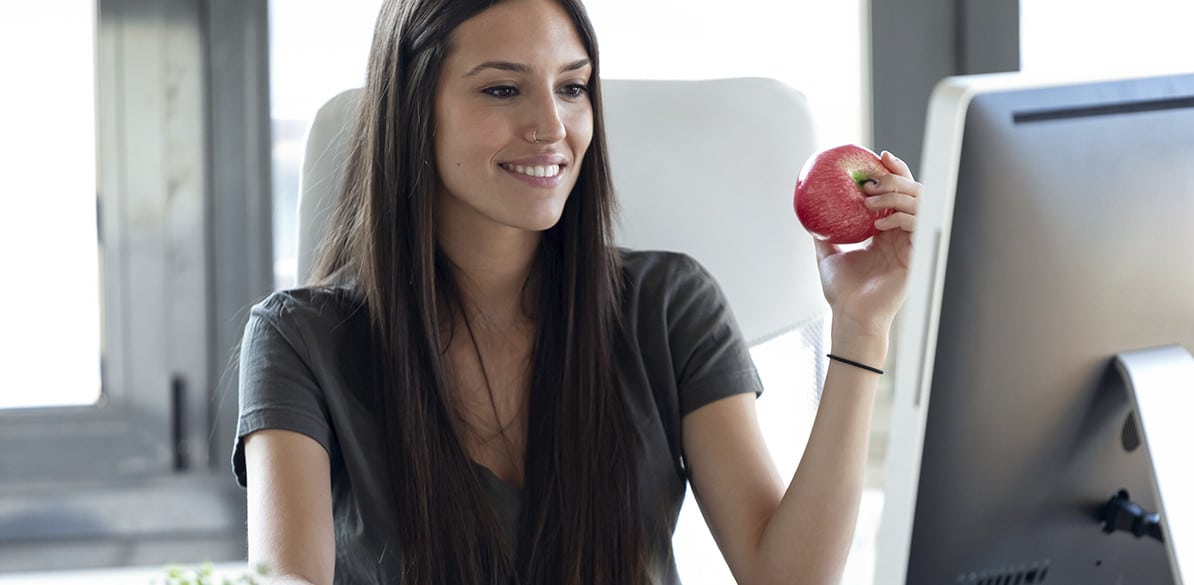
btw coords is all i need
(303, 368)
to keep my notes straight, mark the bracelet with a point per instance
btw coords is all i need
(854, 363)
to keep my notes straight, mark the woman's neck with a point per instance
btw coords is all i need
(491, 268)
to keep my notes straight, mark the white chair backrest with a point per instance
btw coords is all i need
(702, 167)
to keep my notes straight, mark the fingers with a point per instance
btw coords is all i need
(892, 183)
(897, 221)
(894, 200)
(898, 192)
(895, 165)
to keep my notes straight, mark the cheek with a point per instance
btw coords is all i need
(473, 136)
(462, 141)
(441, 134)
(447, 160)
(580, 133)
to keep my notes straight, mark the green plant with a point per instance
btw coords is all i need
(176, 575)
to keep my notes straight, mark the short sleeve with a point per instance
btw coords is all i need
(709, 355)
(277, 389)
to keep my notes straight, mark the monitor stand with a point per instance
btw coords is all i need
(1160, 383)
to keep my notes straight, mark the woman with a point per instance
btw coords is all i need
(480, 388)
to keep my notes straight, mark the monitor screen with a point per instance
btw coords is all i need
(1056, 231)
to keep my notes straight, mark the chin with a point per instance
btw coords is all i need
(541, 217)
(540, 222)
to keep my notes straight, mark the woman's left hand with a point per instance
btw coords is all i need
(865, 287)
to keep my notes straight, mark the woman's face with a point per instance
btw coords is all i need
(512, 118)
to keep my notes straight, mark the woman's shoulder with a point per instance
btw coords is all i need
(311, 307)
(640, 266)
(661, 272)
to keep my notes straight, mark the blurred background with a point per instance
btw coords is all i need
(150, 153)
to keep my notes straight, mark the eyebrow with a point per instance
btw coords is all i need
(520, 68)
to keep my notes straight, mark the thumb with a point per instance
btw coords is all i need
(824, 248)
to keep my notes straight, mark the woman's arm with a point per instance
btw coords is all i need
(768, 535)
(290, 507)
(802, 535)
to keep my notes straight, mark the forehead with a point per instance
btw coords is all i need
(525, 31)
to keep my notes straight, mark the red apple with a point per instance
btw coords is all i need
(829, 194)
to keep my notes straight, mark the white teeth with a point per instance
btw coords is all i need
(537, 171)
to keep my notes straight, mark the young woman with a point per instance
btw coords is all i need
(481, 388)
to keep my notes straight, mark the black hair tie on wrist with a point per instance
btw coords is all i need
(854, 363)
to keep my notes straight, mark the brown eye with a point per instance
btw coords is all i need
(575, 90)
(500, 91)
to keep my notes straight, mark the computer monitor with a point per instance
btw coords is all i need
(1056, 232)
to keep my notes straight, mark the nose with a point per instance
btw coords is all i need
(546, 124)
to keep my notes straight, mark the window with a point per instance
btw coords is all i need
(48, 233)
(815, 47)
(1067, 37)
(128, 237)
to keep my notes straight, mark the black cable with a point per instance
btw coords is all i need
(1121, 514)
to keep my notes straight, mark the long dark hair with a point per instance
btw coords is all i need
(580, 520)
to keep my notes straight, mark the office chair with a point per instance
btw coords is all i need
(701, 167)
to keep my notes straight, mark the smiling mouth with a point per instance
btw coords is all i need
(545, 171)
